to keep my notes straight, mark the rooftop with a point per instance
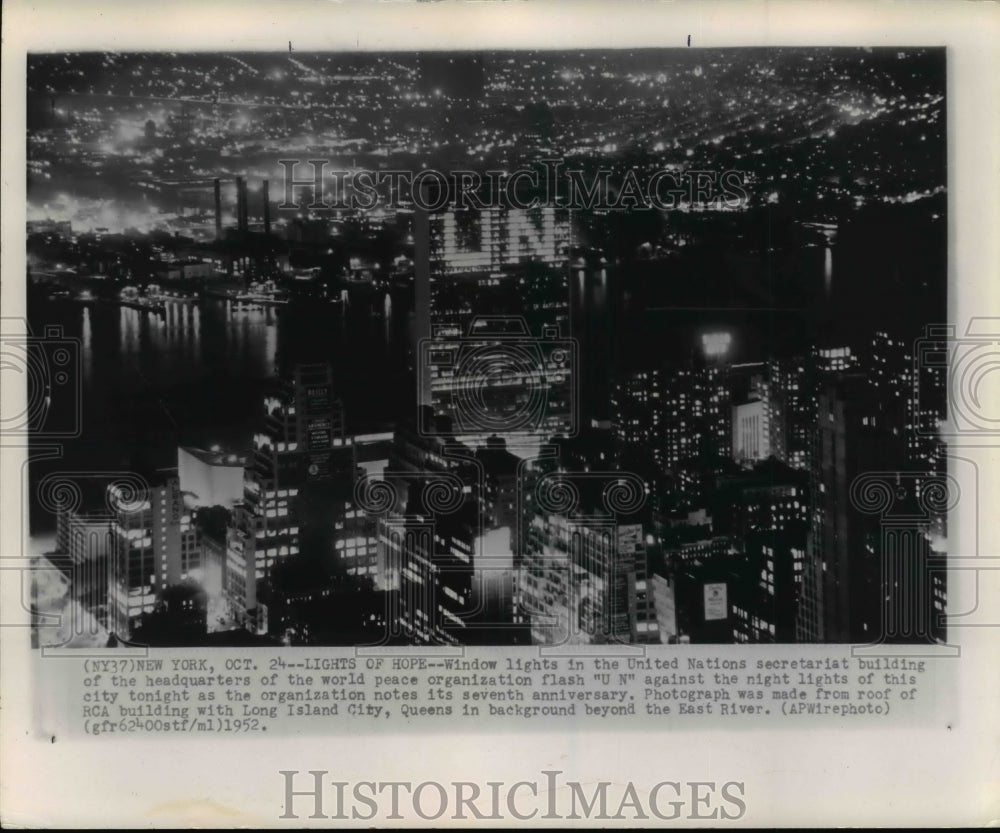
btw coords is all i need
(216, 456)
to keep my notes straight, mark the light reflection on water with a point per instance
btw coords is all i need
(196, 374)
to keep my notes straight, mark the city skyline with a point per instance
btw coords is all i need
(510, 425)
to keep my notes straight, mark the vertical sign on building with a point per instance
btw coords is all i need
(318, 430)
(716, 602)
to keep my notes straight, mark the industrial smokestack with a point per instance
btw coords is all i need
(266, 192)
(218, 209)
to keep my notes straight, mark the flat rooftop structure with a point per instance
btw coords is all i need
(218, 457)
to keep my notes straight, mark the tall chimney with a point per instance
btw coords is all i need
(265, 190)
(218, 209)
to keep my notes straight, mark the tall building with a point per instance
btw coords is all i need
(497, 379)
(582, 567)
(925, 449)
(154, 546)
(682, 418)
(919, 388)
(790, 408)
(429, 529)
(684, 431)
(717, 410)
(577, 582)
(301, 473)
(637, 406)
(858, 432)
(751, 432)
(766, 511)
(491, 321)
(703, 601)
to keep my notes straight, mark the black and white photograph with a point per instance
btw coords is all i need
(374, 371)
(502, 348)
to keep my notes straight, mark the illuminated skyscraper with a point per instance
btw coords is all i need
(790, 410)
(766, 512)
(154, 545)
(637, 405)
(680, 416)
(582, 575)
(717, 410)
(492, 321)
(577, 582)
(751, 432)
(301, 457)
(460, 240)
(445, 540)
(684, 408)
